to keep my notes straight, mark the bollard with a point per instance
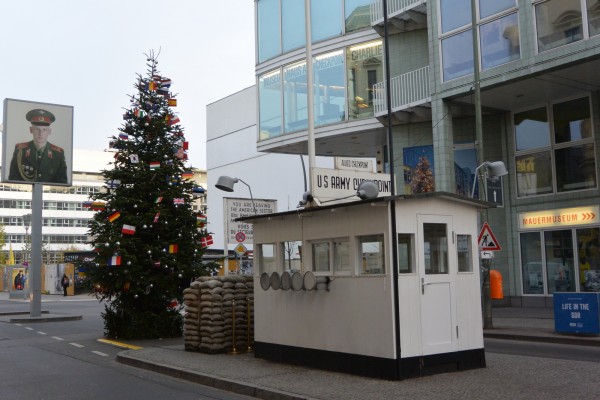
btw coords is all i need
(496, 291)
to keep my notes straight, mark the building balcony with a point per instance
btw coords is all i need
(411, 98)
(403, 15)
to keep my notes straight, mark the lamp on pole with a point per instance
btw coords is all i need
(226, 183)
(491, 169)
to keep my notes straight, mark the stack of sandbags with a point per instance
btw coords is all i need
(191, 321)
(222, 304)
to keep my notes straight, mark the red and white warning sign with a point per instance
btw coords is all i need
(486, 240)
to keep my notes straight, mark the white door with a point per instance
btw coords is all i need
(436, 257)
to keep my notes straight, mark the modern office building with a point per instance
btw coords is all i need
(530, 71)
(65, 214)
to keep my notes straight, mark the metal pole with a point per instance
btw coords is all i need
(486, 300)
(309, 97)
(35, 270)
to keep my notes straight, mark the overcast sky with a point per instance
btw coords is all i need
(86, 54)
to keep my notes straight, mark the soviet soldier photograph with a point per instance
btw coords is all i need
(38, 159)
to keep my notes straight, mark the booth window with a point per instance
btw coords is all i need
(332, 254)
(292, 255)
(267, 257)
(372, 254)
(320, 256)
(436, 248)
(465, 263)
(405, 253)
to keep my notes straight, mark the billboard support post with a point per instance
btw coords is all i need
(35, 300)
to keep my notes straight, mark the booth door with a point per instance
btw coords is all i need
(435, 248)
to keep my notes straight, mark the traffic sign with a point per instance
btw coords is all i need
(240, 237)
(494, 190)
(240, 249)
(486, 240)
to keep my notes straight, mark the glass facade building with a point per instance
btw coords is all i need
(540, 108)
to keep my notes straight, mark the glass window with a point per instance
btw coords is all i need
(593, 14)
(588, 249)
(294, 100)
(292, 255)
(406, 260)
(293, 32)
(499, 41)
(325, 19)
(463, 244)
(572, 120)
(341, 256)
(575, 168)
(329, 88)
(269, 95)
(491, 7)
(559, 261)
(320, 257)
(451, 18)
(571, 164)
(268, 28)
(532, 130)
(465, 163)
(364, 64)
(534, 174)
(531, 263)
(436, 248)
(357, 14)
(267, 257)
(372, 254)
(457, 55)
(558, 22)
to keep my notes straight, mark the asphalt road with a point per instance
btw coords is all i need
(65, 360)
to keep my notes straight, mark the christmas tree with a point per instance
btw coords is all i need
(147, 237)
(423, 181)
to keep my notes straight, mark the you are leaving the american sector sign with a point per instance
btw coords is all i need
(333, 184)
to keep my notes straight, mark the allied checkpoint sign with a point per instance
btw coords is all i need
(236, 208)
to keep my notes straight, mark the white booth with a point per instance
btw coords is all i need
(387, 288)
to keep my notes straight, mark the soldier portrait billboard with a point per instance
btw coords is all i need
(37, 143)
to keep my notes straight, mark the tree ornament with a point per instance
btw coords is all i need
(128, 262)
(149, 251)
(118, 243)
(145, 226)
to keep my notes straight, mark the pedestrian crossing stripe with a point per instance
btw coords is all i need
(486, 240)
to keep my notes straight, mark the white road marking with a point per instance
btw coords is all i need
(18, 325)
(77, 345)
(57, 338)
(42, 333)
(29, 328)
(100, 353)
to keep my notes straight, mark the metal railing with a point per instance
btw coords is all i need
(393, 6)
(407, 90)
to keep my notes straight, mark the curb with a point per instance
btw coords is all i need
(214, 381)
(49, 318)
(577, 341)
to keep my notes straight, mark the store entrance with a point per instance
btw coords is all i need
(566, 260)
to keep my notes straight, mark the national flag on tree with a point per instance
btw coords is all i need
(187, 175)
(206, 241)
(128, 229)
(178, 201)
(112, 217)
(123, 136)
(155, 165)
(156, 217)
(172, 102)
(158, 200)
(114, 260)
(173, 248)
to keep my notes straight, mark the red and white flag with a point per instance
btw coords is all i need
(206, 241)
(128, 229)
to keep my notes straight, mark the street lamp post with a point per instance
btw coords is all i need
(26, 218)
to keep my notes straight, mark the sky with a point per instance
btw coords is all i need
(87, 54)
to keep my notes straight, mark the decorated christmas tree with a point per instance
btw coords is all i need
(423, 181)
(148, 239)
